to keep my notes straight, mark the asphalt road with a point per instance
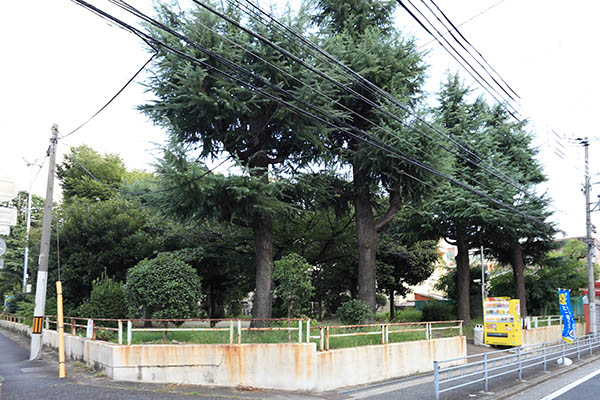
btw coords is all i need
(27, 380)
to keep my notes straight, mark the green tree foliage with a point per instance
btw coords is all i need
(97, 236)
(75, 173)
(219, 117)
(107, 300)
(293, 285)
(404, 257)
(360, 34)
(11, 276)
(165, 287)
(561, 268)
(354, 312)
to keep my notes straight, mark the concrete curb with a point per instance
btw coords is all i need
(541, 379)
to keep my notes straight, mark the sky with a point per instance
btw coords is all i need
(61, 64)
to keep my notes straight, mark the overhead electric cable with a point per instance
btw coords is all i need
(112, 98)
(472, 71)
(330, 121)
(455, 28)
(365, 83)
(468, 51)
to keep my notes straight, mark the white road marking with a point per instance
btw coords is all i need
(571, 385)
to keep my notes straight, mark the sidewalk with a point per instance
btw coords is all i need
(24, 380)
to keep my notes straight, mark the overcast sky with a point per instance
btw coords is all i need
(61, 63)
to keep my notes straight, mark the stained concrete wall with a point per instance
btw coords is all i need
(287, 366)
(547, 334)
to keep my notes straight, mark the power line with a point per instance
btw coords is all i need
(328, 120)
(112, 98)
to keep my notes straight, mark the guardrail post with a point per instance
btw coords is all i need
(73, 327)
(562, 346)
(93, 330)
(520, 364)
(129, 333)
(230, 332)
(578, 353)
(485, 373)
(120, 340)
(544, 355)
(535, 322)
(460, 328)
(327, 339)
(47, 321)
(590, 342)
(300, 331)
(387, 334)
(322, 339)
(308, 331)
(549, 320)
(560, 320)
(382, 334)
(436, 380)
(239, 329)
(427, 337)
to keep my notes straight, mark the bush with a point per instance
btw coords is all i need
(107, 299)
(438, 311)
(354, 312)
(409, 314)
(380, 300)
(165, 286)
(13, 304)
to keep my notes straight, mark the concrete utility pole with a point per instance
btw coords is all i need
(42, 278)
(589, 241)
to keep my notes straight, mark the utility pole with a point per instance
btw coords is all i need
(589, 241)
(26, 257)
(482, 279)
(42, 277)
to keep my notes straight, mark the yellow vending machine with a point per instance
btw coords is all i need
(502, 321)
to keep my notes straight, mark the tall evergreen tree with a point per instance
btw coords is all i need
(361, 35)
(221, 118)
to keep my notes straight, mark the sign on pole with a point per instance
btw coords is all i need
(8, 216)
(4, 230)
(8, 189)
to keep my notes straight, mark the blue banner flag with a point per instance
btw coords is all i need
(564, 303)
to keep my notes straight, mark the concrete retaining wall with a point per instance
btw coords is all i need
(547, 334)
(286, 366)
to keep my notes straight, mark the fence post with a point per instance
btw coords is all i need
(590, 342)
(73, 327)
(239, 329)
(578, 353)
(47, 323)
(387, 334)
(120, 332)
(93, 330)
(230, 332)
(549, 320)
(544, 354)
(308, 331)
(382, 333)
(322, 339)
(327, 339)
(560, 320)
(427, 331)
(535, 321)
(460, 329)
(520, 365)
(485, 373)
(128, 333)
(436, 380)
(300, 331)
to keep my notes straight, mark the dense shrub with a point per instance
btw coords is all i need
(354, 312)
(107, 300)
(13, 304)
(165, 287)
(438, 311)
(380, 300)
(409, 314)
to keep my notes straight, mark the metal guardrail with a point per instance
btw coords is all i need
(125, 328)
(382, 330)
(493, 365)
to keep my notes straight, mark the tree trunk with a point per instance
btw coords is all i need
(392, 308)
(463, 279)
(516, 260)
(263, 240)
(367, 244)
